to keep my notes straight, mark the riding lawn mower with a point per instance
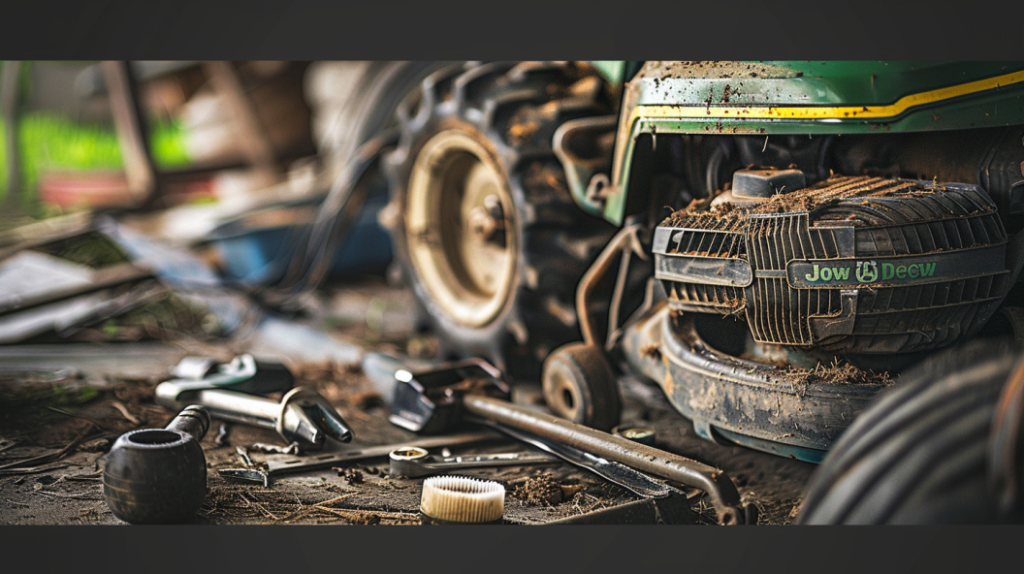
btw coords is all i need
(783, 247)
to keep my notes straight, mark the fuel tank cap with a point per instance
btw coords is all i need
(765, 182)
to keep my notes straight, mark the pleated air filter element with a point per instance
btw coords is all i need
(462, 499)
(851, 265)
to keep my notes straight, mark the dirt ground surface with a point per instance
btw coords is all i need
(67, 403)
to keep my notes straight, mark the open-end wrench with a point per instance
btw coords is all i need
(414, 462)
(265, 473)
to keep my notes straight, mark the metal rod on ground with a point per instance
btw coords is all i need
(715, 482)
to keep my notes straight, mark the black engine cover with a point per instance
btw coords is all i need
(851, 265)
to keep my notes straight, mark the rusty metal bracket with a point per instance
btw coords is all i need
(626, 242)
(584, 175)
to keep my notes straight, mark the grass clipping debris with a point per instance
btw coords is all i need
(836, 374)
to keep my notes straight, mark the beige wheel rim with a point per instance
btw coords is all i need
(460, 227)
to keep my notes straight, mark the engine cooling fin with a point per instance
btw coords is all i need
(850, 265)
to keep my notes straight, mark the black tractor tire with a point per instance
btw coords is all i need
(921, 454)
(512, 111)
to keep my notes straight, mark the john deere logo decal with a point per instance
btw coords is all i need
(827, 274)
(867, 271)
(881, 271)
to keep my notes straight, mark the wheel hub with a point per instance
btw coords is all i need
(488, 221)
(460, 227)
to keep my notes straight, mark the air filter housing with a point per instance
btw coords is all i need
(850, 265)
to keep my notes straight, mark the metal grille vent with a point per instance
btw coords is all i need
(856, 264)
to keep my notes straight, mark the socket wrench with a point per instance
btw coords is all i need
(302, 414)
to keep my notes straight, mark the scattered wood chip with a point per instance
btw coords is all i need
(72, 496)
(124, 412)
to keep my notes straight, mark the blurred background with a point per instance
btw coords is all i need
(157, 134)
(235, 157)
(210, 177)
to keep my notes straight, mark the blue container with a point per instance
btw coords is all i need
(257, 248)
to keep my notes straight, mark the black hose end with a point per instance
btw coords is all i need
(158, 476)
(193, 419)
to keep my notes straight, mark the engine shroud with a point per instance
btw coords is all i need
(850, 265)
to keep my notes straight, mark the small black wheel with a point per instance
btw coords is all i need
(579, 385)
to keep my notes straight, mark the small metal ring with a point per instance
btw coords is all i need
(636, 434)
(403, 453)
(292, 395)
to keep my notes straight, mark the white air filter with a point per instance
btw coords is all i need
(460, 499)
